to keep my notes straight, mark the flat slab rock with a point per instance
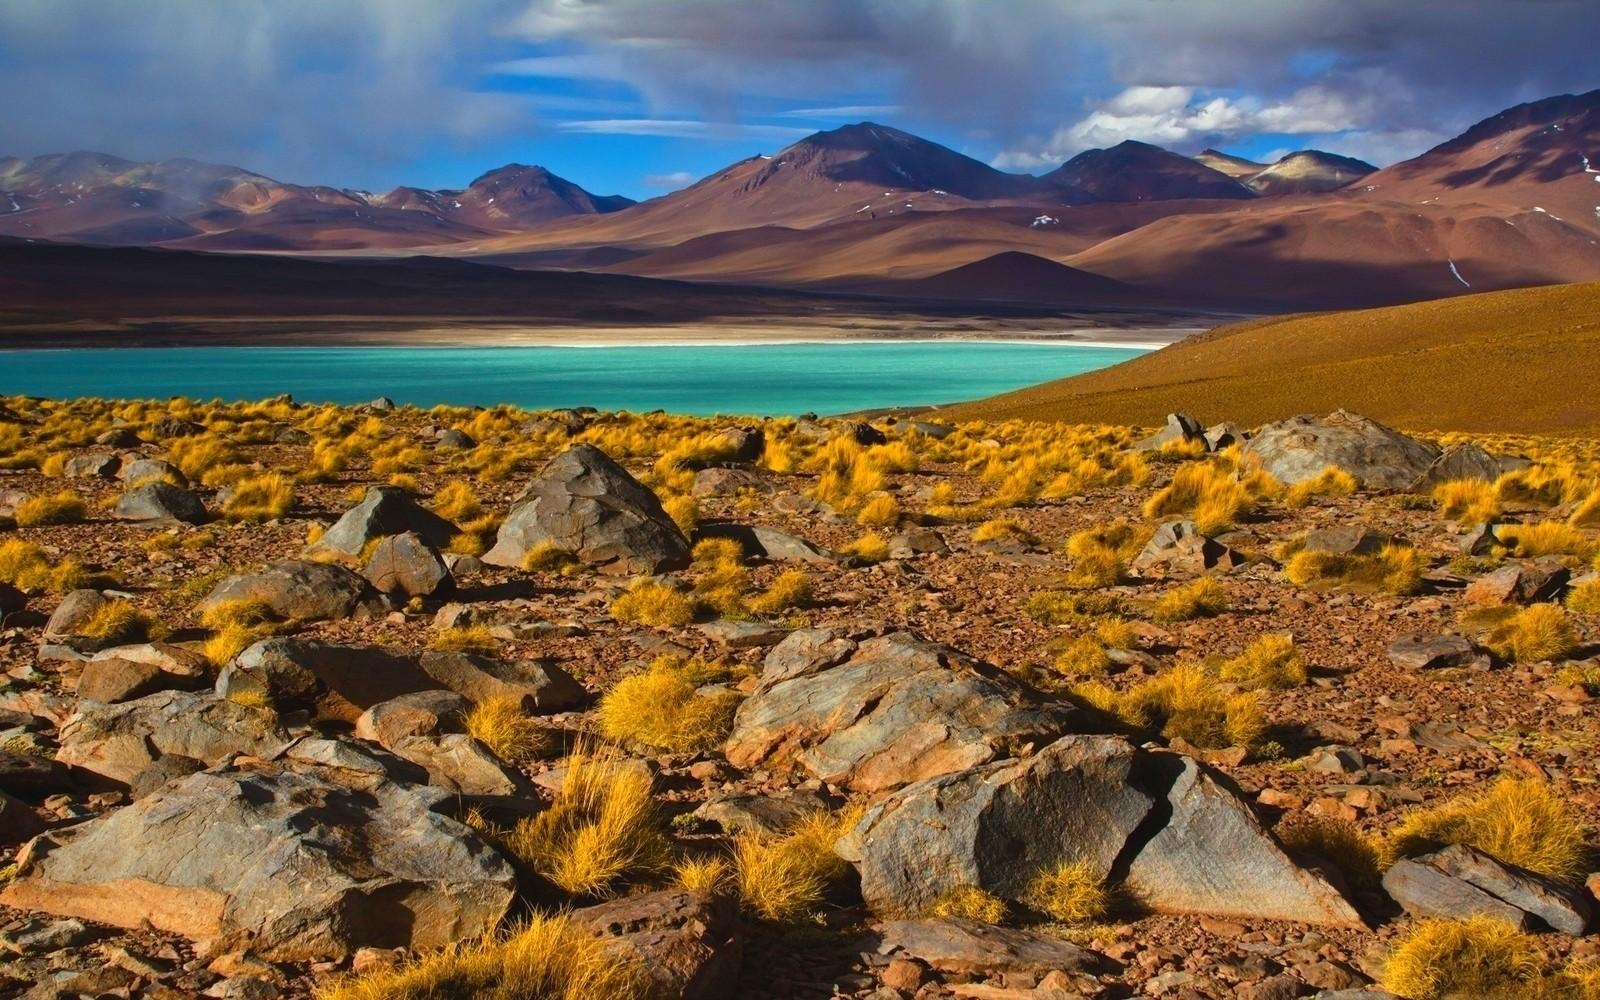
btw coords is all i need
(114, 743)
(1432, 651)
(687, 942)
(1157, 822)
(285, 858)
(884, 712)
(294, 590)
(958, 947)
(1460, 881)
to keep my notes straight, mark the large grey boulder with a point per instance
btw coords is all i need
(293, 861)
(123, 673)
(160, 501)
(406, 566)
(1380, 458)
(588, 505)
(140, 471)
(339, 682)
(1470, 461)
(1155, 821)
(687, 943)
(295, 590)
(385, 510)
(885, 712)
(113, 743)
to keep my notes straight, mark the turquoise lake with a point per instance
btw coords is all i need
(756, 379)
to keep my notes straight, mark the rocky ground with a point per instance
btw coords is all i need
(255, 801)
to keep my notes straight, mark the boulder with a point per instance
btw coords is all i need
(384, 511)
(588, 505)
(406, 566)
(1461, 881)
(686, 942)
(420, 713)
(967, 947)
(540, 687)
(1153, 820)
(766, 543)
(866, 435)
(1347, 540)
(720, 481)
(917, 542)
(151, 470)
(93, 465)
(459, 764)
(162, 772)
(1431, 651)
(160, 501)
(33, 778)
(73, 613)
(338, 682)
(1469, 461)
(284, 858)
(113, 743)
(1520, 583)
(1299, 448)
(745, 444)
(742, 635)
(882, 713)
(295, 590)
(760, 813)
(455, 438)
(1178, 550)
(1180, 428)
(1220, 436)
(118, 437)
(936, 431)
(123, 673)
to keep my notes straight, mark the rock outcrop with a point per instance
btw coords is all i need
(113, 743)
(384, 511)
(1299, 448)
(294, 590)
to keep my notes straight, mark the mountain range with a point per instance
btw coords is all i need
(869, 208)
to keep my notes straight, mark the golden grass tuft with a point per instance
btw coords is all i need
(465, 639)
(1522, 821)
(1479, 957)
(547, 557)
(968, 902)
(1584, 598)
(1204, 598)
(1084, 656)
(1004, 529)
(1100, 555)
(25, 566)
(1545, 538)
(65, 507)
(507, 731)
(789, 591)
(784, 879)
(260, 498)
(601, 828)
(1330, 482)
(1272, 661)
(117, 623)
(545, 958)
(662, 707)
(869, 548)
(658, 605)
(1467, 501)
(1537, 632)
(1071, 892)
(1397, 569)
(881, 511)
(703, 874)
(1336, 841)
(1185, 702)
(1070, 607)
(684, 511)
(456, 501)
(1208, 493)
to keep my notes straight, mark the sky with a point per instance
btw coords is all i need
(639, 97)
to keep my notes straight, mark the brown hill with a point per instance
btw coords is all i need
(1138, 171)
(1310, 171)
(1011, 276)
(1513, 361)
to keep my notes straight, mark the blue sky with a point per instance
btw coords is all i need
(636, 97)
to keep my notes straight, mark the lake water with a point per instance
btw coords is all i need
(757, 379)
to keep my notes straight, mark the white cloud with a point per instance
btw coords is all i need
(669, 182)
(843, 111)
(682, 128)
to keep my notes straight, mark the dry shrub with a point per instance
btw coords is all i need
(1397, 569)
(1272, 661)
(1100, 555)
(1330, 482)
(117, 623)
(465, 639)
(260, 498)
(658, 605)
(1521, 821)
(601, 828)
(784, 879)
(507, 731)
(968, 902)
(663, 707)
(1070, 892)
(1467, 501)
(869, 548)
(881, 511)
(65, 507)
(1204, 598)
(1208, 493)
(546, 958)
(792, 589)
(1537, 632)
(1480, 957)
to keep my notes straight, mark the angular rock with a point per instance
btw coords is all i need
(1154, 820)
(719, 481)
(421, 713)
(1347, 540)
(459, 764)
(94, 465)
(115, 742)
(896, 711)
(686, 942)
(18, 821)
(33, 778)
(123, 673)
(339, 682)
(866, 435)
(936, 431)
(1178, 550)
(283, 859)
(767, 543)
(964, 947)
(1481, 540)
(1430, 651)
(1180, 427)
(1519, 583)
(385, 510)
(295, 590)
(588, 505)
(917, 542)
(455, 438)
(160, 501)
(405, 565)
(540, 687)
(73, 613)
(742, 635)
(150, 470)
(162, 772)
(760, 813)
(1220, 436)
(1460, 881)
(1299, 448)
(1469, 461)
(745, 443)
